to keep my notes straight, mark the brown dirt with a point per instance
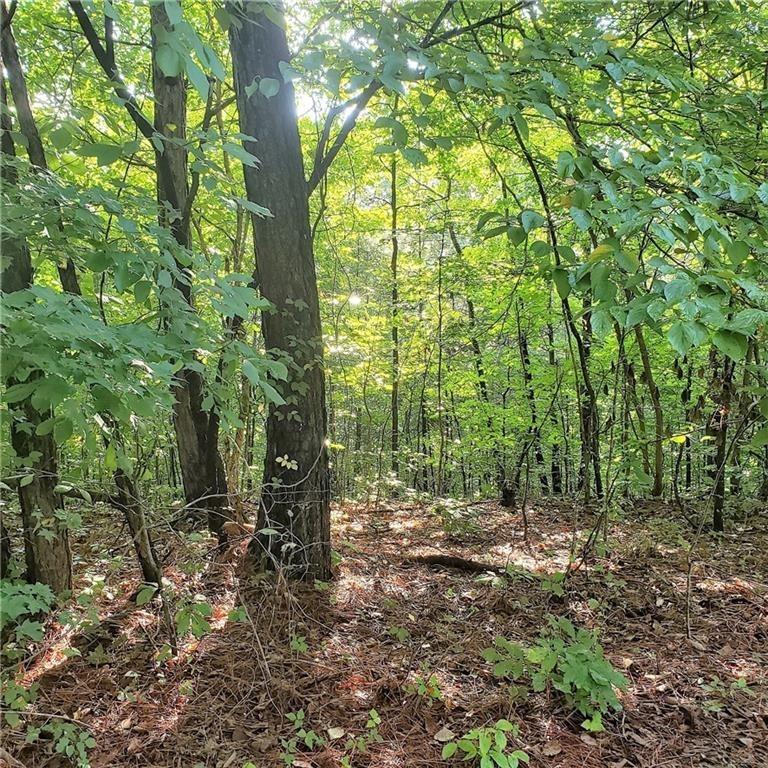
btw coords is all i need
(385, 619)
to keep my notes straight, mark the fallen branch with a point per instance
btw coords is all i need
(459, 563)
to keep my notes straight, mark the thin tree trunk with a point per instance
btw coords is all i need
(28, 126)
(717, 429)
(533, 431)
(556, 470)
(46, 540)
(294, 501)
(658, 415)
(394, 400)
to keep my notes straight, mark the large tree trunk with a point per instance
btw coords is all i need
(295, 502)
(46, 542)
(202, 470)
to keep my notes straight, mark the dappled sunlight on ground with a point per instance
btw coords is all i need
(386, 624)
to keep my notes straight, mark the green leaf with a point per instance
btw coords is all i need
(255, 208)
(582, 218)
(399, 131)
(146, 593)
(414, 156)
(105, 154)
(731, 343)
(269, 87)
(141, 291)
(562, 283)
(198, 78)
(240, 153)
(223, 17)
(737, 251)
(449, 750)
(760, 438)
(173, 9)
(168, 60)
(531, 220)
(679, 338)
(61, 137)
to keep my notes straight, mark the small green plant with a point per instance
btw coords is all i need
(193, 617)
(238, 615)
(569, 660)
(488, 746)
(299, 644)
(361, 743)
(401, 634)
(554, 583)
(69, 739)
(302, 736)
(720, 693)
(426, 686)
(457, 522)
(21, 604)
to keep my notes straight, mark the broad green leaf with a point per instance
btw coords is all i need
(732, 344)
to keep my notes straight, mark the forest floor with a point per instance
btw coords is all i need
(698, 686)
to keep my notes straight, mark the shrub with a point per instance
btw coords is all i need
(569, 660)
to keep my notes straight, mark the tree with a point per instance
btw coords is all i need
(294, 506)
(46, 541)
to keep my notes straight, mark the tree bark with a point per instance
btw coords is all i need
(27, 124)
(394, 401)
(658, 415)
(717, 429)
(46, 540)
(202, 469)
(295, 502)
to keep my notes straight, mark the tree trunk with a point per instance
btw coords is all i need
(658, 415)
(556, 470)
(394, 402)
(6, 549)
(46, 541)
(127, 489)
(202, 470)
(534, 432)
(28, 126)
(717, 429)
(295, 502)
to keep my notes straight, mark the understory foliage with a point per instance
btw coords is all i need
(259, 256)
(568, 659)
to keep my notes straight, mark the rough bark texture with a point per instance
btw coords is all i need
(717, 430)
(28, 126)
(658, 415)
(202, 469)
(294, 502)
(46, 542)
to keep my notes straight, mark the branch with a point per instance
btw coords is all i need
(107, 64)
(323, 159)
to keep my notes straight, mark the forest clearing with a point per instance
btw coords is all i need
(384, 383)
